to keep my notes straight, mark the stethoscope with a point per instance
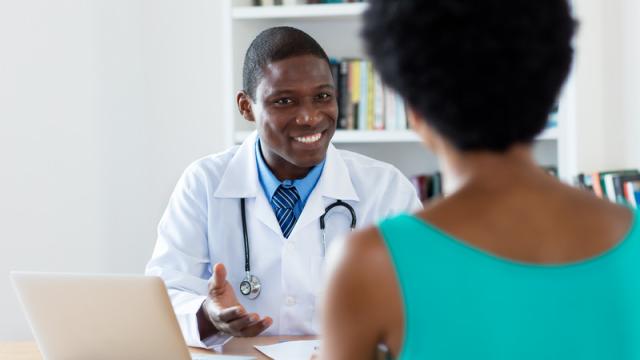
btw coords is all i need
(250, 285)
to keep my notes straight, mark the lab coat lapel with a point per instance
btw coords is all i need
(264, 213)
(334, 183)
(240, 180)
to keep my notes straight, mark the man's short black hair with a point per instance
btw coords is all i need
(484, 74)
(274, 44)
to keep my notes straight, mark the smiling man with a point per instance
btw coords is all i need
(241, 244)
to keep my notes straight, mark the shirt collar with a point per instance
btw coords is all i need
(270, 182)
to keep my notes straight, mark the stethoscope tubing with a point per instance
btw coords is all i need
(247, 258)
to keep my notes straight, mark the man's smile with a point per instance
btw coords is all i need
(309, 139)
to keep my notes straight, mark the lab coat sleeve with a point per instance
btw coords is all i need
(404, 195)
(181, 256)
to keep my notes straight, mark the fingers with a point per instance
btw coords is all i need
(219, 277)
(238, 325)
(231, 314)
(256, 327)
(235, 321)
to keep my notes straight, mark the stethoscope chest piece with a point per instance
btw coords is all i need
(250, 286)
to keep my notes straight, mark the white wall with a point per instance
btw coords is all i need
(630, 88)
(607, 85)
(102, 105)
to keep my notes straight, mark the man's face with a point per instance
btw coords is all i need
(295, 111)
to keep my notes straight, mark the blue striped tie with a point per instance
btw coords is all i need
(284, 199)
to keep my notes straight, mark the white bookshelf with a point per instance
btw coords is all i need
(318, 11)
(336, 28)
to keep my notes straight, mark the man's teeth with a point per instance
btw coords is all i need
(309, 139)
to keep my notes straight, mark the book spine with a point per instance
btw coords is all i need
(629, 194)
(597, 185)
(401, 116)
(354, 82)
(389, 109)
(364, 94)
(370, 97)
(609, 188)
(344, 96)
(335, 73)
(378, 112)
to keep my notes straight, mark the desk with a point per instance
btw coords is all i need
(27, 350)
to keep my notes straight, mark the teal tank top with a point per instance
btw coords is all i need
(461, 302)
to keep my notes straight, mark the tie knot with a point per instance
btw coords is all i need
(285, 197)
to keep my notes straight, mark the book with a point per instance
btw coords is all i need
(435, 189)
(378, 103)
(599, 186)
(618, 186)
(584, 181)
(363, 111)
(401, 115)
(344, 96)
(427, 187)
(354, 89)
(335, 72)
(632, 193)
(370, 96)
(421, 184)
(364, 101)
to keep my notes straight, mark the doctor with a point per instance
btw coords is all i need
(224, 281)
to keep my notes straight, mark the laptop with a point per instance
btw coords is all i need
(82, 316)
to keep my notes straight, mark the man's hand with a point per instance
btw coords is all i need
(225, 312)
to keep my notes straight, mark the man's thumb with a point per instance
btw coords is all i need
(219, 275)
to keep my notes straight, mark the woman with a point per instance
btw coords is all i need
(512, 264)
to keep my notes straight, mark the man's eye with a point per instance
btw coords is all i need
(323, 96)
(283, 101)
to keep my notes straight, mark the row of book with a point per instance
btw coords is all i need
(364, 102)
(428, 186)
(300, 2)
(619, 186)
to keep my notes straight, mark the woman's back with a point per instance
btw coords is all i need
(461, 302)
(523, 276)
(524, 268)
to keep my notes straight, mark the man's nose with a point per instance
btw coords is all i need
(308, 115)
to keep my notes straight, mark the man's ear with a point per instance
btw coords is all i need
(245, 103)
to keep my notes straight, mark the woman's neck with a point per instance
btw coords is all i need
(490, 170)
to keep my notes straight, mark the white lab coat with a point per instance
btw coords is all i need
(202, 226)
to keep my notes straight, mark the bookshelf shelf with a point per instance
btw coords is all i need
(384, 136)
(321, 11)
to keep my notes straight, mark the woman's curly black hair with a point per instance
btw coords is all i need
(484, 73)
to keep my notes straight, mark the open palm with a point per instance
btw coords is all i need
(225, 311)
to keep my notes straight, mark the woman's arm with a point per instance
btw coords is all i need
(358, 305)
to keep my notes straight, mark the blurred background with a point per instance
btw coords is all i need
(103, 103)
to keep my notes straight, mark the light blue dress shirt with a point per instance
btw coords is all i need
(270, 182)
